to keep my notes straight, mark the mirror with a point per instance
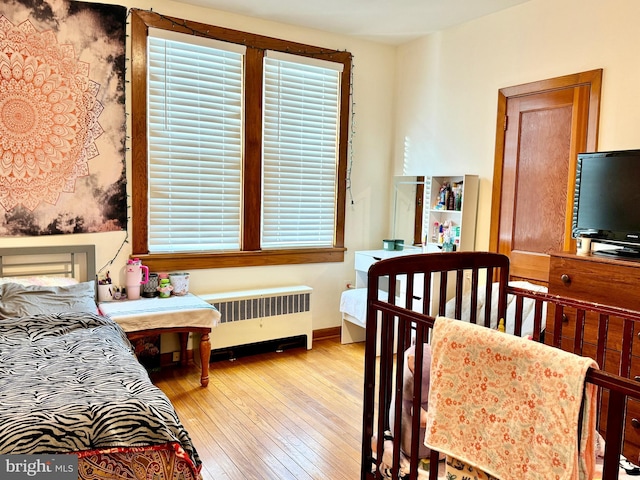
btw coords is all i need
(408, 204)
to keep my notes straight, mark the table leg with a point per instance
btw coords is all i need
(205, 354)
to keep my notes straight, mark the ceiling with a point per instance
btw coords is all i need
(386, 21)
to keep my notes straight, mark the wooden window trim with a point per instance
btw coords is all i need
(250, 254)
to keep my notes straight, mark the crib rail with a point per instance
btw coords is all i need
(432, 280)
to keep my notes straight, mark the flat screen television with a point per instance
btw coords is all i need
(606, 205)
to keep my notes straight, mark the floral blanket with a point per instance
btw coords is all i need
(510, 406)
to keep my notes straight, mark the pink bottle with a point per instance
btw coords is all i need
(136, 275)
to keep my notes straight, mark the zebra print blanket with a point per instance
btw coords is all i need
(70, 382)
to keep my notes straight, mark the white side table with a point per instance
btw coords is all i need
(176, 314)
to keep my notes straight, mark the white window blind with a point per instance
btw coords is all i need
(195, 143)
(300, 151)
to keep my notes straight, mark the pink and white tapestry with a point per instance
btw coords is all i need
(62, 117)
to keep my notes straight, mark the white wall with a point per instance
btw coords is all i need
(447, 90)
(366, 218)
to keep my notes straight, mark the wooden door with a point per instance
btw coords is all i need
(542, 126)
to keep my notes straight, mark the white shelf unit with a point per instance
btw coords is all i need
(353, 326)
(465, 218)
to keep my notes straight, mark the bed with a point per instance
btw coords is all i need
(387, 444)
(69, 381)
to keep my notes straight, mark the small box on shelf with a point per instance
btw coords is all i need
(393, 244)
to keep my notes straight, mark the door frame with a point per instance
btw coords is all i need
(592, 79)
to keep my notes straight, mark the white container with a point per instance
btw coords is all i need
(583, 245)
(179, 282)
(105, 292)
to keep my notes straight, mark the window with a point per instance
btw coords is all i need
(194, 117)
(239, 149)
(299, 152)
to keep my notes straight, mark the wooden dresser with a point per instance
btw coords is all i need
(609, 281)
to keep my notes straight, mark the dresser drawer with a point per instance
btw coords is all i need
(594, 332)
(631, 432)
(596, 280)
(364, 260)
(631, 446)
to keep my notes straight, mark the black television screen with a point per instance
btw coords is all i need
(607, 198)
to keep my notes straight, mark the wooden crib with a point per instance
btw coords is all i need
(459, 282)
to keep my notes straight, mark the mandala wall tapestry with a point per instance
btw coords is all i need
(62, 117)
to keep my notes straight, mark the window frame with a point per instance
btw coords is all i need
(250, 253)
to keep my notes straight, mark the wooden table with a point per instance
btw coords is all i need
(176, 314)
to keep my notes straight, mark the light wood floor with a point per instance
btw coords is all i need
(281, 416)
(290, 415)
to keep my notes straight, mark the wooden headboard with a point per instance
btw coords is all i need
(74, 261)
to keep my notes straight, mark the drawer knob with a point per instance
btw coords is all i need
(565, 319)
(566, 279)
(635, 422)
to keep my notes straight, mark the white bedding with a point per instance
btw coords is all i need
(527, 308)
(353, 302)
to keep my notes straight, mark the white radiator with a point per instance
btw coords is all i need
(253, 316)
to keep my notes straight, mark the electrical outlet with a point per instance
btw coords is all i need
(176, 356)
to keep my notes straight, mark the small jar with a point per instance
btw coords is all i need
(165, 288)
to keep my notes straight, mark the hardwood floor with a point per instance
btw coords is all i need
(290, 415)
(278, 416)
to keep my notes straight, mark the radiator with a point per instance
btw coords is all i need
(253, 316)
